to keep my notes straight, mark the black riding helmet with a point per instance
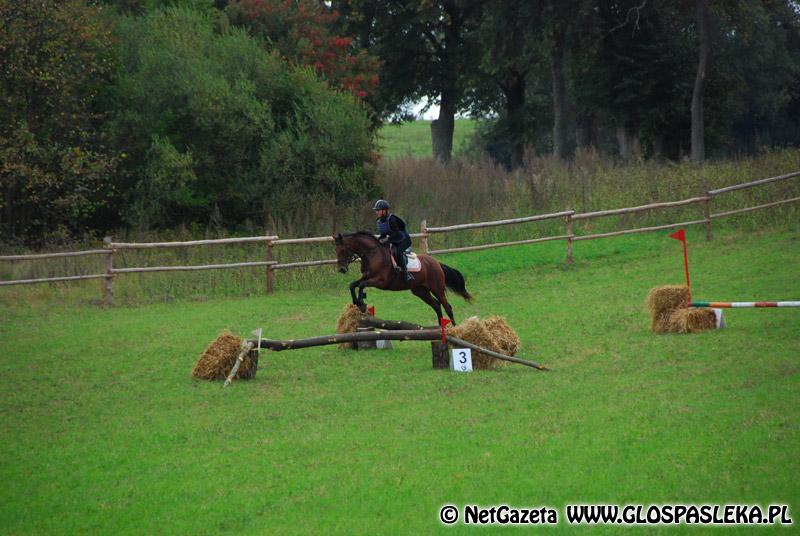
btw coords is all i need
(381, 204)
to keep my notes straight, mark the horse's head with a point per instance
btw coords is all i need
(344, 255)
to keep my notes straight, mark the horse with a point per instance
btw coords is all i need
(377, 271)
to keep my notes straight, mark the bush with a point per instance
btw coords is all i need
(217, 129)
(55, 170)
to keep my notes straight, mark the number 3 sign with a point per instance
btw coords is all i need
(461, 360)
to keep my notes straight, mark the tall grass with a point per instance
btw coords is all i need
(422, 189)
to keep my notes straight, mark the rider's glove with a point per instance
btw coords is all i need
(384, 240)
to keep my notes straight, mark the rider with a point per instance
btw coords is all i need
(392, 229)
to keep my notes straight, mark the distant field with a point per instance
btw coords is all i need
(414, 138)
(105, 432)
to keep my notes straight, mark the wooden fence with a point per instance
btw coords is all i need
(271, 242)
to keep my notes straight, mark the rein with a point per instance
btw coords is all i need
(354, 256)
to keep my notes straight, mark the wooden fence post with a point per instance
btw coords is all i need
(568, 221)
(707, 204)
(423, 243)
(108, 281)
(270, 271)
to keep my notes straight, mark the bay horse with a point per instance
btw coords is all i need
(377, 271)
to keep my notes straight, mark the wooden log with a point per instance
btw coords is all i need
(283, 266)
(568, 223)
(396, 335)
(312, 240)
(192, 268)
(336, 338)
(641, 208)
(108, 283)
(38, 256)
(461, 342)
(439, 355)
(51, 279)
(239, 360)
(152, 245)
(483, 224)
(757, 207)
(270, 271)
(498, 245)
(638, 230)
(379, 323)
(754, 183)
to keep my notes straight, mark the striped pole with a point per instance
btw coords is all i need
(732, 305)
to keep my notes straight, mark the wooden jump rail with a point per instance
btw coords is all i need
(388, 334)
(271, 264)
(737, 305)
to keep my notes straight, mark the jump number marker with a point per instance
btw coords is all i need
(461, 359)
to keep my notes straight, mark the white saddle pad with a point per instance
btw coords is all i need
(413, 264)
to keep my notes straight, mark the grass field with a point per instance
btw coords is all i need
(414, 139)
(104, 430)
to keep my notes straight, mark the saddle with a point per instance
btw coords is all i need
(412, 262)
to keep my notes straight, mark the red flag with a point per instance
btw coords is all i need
(443, 322)
(681, 235)
(371, 310)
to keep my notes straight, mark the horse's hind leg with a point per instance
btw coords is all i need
(440, 295)
(425, 295)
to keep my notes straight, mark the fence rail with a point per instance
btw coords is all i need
(569, 216)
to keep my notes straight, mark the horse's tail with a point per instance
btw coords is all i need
(455, 282)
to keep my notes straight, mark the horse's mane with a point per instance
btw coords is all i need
(362, 233)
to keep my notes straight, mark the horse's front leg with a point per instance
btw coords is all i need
(353, 286)
(364, 282)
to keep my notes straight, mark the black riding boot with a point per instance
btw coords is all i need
(404, 267)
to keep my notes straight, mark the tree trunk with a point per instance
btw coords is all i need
(698, 128)
(514, 90)
(561, 148)
(442, 130)
(585, 136)
(628, 143)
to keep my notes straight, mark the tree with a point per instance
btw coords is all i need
(217, 129)
(427, 48)
(304, 33)
(55, 176)
(639, 76)
(698, 153)
(511, 79)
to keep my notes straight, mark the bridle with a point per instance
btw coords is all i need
(351, 256)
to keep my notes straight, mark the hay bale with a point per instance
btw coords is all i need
(503, 335)
(691, 320)
(348, 322)
(661, 323)
(217, 359)
(666, 298)
(669, 312)
(493, 333)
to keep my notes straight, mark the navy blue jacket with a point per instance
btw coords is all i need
(394, 227)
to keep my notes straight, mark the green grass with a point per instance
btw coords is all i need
(104, 430)
(414, 139)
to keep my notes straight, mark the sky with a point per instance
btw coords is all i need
(432, 113)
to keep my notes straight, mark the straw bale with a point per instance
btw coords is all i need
(493, 333)
(504, 336)
(348, 322)
(666, 298)
(692, 320)
(661, 323)
(218, 358)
